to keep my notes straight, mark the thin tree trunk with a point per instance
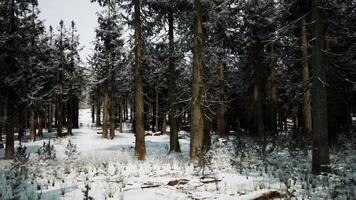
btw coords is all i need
(60, 106)
(140, 147)
(306, 95)
(112, 116)
(93, 114)
(9, 130)
(98, 111)
(75, 112)
(41, 122)
(121, 116)
(2, 125)
(33, 126)
(105, 114)
(197, 118)
(70, 115)
(156, 111)
(222, 108)
(321, 158)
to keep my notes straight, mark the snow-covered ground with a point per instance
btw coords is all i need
(110, 170)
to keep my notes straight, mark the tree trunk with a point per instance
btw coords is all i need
(50, 117)
(75, 112)
(22, 124)
(93, 114)
(331, 96)
(140, 147)
(307, 119)
(70, 115)
(173, 122)
(2, 125)
(112, 117)
(121, 116)
(272, 93)
(156, 111)
(197, 116)
(9, 130)
(105, 113)
(321, 158)
(41, 122)
(164, 123)
(33, 126)
(126, 111)
(222, 108)
(98, 111)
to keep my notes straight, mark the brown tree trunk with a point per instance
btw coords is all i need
(321, 158)
(70, 115)
(331, 96)
(173, 122)
(140, 147)
(307, 119)
(112, 117)
(156, 111)
(98, 111)
(272, 93)
(9, 130)
(50, 117)
(2, 125)
(197, 116)
(33, 126)
(121, 116)
(93, 114)
(105, 114)
(41, 122)
(222, 108)
(164, 123)
(75, 112)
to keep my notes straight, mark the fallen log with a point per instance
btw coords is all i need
(178, 182)
(269, 195)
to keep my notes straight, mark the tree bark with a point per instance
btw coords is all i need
(93, 114)
(156, 111)
(41, 122)
(164, 123)
(98, 111)
(121, 116)
(140, 147)
(2, 125)
(197, 116)
(321, 158)
(222, 108)
(105, 114)
(112, 117)
(9, 130)
(307, 119)
(75, 112)
(60, 111)
(70, 115)
(50, 117)
(33, 126)
(272, 93)
(173, 122)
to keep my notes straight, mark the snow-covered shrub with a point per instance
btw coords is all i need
(71, 151)
(87, 189)
(22, 186)
(204, 165)
(46, 152)
(19, 165)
